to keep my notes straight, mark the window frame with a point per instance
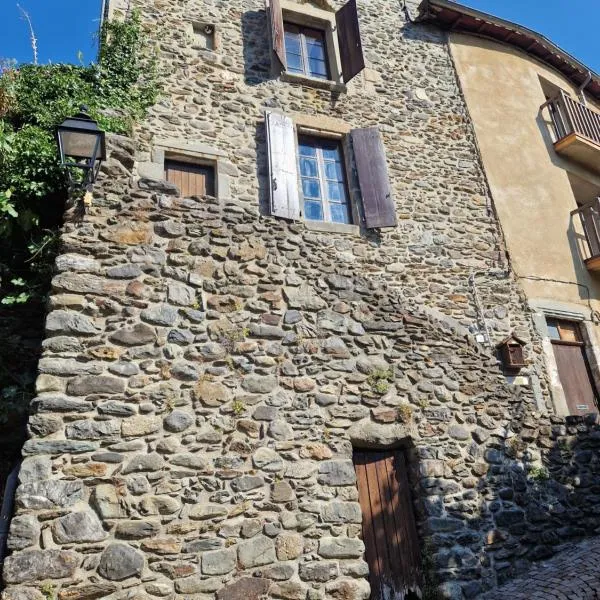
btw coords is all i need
(311, 17)
(302, 31)
(193, 162)
(322, 178)
(566, 328)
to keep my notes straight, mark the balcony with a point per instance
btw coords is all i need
(577, 131)
(590, 221)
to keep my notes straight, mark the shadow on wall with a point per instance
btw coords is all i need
(541, 493)
(262, 169)
(256, 42)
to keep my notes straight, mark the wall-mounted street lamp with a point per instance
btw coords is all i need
(82, 148)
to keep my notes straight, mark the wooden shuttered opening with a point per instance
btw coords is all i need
(190, 178)
(373, 178)
(283, 169)
(350, 44)
(388, 524)
(273, 8)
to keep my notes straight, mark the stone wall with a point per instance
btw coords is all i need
(447, 228)
(209, 368)
(205, 377)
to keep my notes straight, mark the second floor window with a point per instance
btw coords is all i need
(306, 51)
(323, 180)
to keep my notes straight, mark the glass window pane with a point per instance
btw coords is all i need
(307, 149)
(313, 211)
(335, 192)
(311, 188)
(292, 43)
(569, 332)
(553, 330)
(316, 49)
(294, 63)
(318, 68)
(331, 152)
(339, 213)
(333, 171)
(308, 167)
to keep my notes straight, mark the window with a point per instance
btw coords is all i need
(323, 180)
(573, 367)
(306, 51)
(191, 179)
(319, 45)
(312, 184)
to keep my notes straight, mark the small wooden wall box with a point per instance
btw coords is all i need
(511, 352)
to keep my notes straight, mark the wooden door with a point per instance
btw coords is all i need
(573, 367)
(191, 179)
(389, 529)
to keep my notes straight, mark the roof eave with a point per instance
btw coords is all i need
(491, 27)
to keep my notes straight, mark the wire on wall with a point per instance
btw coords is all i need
(594, 314)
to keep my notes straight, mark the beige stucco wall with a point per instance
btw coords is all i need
(529, 181)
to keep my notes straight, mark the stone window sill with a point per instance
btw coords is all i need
(323, 84)
(332, 227)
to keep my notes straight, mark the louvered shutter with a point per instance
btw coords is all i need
(373, 178)
(348, 31)
(277, 36)
(283, 170)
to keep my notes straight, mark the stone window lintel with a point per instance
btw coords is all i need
(192, 152)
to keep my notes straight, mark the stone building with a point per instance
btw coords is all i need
(270, 367)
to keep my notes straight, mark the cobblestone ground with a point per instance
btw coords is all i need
(572, 575)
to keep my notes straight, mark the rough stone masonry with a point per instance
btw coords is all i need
(208, 368)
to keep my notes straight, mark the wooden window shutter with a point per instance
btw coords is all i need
(373, 178)
(348, 31)
(191, 179)
(277, 36)
(283, 170)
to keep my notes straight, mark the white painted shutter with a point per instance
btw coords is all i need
(283, 170)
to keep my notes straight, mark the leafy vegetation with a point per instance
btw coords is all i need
(34, 99)
(380, 380)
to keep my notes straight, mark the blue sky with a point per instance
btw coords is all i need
(63, 29)
(66, 27)
(571, 24)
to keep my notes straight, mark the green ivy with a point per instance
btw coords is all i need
(34, 99)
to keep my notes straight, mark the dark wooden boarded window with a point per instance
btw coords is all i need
(573, 367)
(389, 528)
(191, 179)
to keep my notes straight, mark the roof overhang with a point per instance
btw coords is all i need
(456, 17)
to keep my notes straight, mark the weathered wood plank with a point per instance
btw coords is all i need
(349, 40)
(373, 178)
